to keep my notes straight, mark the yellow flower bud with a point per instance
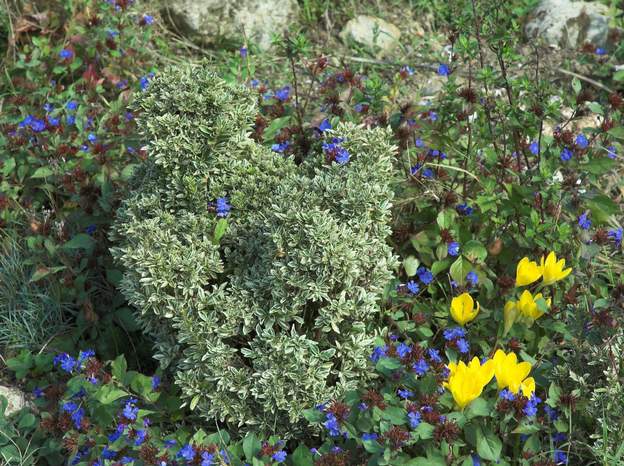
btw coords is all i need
(552, 269)
(463, 309)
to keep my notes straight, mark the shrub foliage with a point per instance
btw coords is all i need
(273, 309)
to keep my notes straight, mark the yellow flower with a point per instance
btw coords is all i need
(527, 272)
(511, 374)
(553, 269)
(528, 305)
(466, 382)
(463, 309)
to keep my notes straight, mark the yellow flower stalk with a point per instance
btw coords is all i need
(527, 272)
(511, 374)
(466, 382)
(463, 309)
(552, 269)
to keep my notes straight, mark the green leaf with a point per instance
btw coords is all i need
(302, 456)
(459, 269)
(478, 408)
(220, 230)
(474, 251)
(489, 446)
(42, 172)
(446, 218)
(275, 127)
(43, 272)
(119, 367)
(251, 446)
(80, 241)
(313, 415)
(27, 421)
(424, 430)
(617, 132)
(107, 394)
(395, 415)
(410, 265)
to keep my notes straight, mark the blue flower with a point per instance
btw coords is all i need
(584, 222)
(90, 229)
(506, 394)
(71, 105)
(48, 107)
(453, 248)
(283, 94)
(433, 116)
(414, 419)
(559, 437)
(419, 143)
(126, 460)
(207, 459)
(144, 81)
(443, 70)
(334, 151)
(279, 456)
(223, 208)
(600, 51)
(243, 52)
(170, 443)
(115, 435)
(378, 353)
(54, 121)
(616, 235)
(66, 54)
(413, 287)
(464, 209)
(280, 147)
(141, 435)
(38, 392)
(403, 350)
(108, 454)
(362, 406)
(476, 459)
(472, 278)
(463, 346)
(566, 154)
(37, 125)
(428, 173)
(424, 275)
(405, 394)
(561, 457)
(71, 119)
(155, 382)
(421, 367)
(371, 436)
(92, 137)
(66, 362)
(612, 152)
(130, 411)
(147, 19)
(453, 333)
(434, 355)
(534, 148)
(552, 413)
(332, 425)
(581, 141)
(360, 107)
(530, 409)
(325, 125)
(187, 452)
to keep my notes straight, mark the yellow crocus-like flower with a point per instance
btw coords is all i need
(528, 305)
(463, 309)
(527, 272)
(466, 382)
(511, 374)
(552, 269)
(510, 315)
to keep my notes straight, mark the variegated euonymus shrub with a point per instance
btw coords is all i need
(279, 312)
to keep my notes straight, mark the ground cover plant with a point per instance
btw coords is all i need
(304, 255)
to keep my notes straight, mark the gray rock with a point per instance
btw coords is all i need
(15, 397)
(372, 32)
(211, 20)
(569, 24)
